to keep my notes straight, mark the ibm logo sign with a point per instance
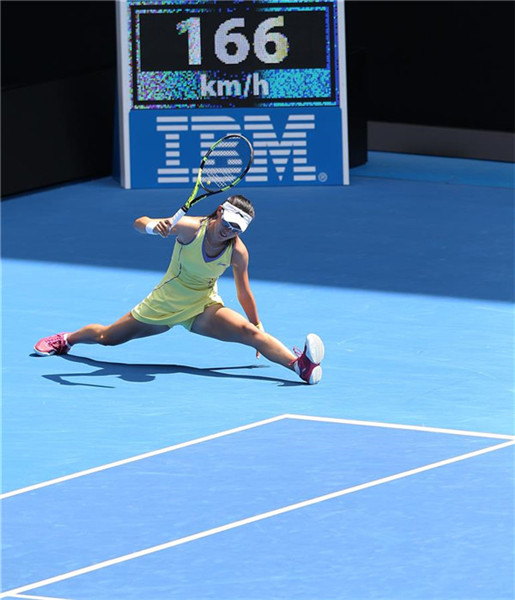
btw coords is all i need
(272, 152)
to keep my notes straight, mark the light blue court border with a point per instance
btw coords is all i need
(437, 169)
(316, 468)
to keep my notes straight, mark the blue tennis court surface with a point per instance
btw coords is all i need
(181, 467)
(137, 509)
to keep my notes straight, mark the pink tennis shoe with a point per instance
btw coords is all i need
(307, 366)
(54, 344)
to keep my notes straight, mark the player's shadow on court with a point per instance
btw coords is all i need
(138, 373)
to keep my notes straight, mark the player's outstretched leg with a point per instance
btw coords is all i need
(307, 365)
(125, 329)
(225, 324)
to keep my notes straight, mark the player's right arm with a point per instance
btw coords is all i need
(185, 229)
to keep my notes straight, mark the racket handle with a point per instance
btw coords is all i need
(177, 217)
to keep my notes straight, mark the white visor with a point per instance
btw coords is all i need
(235, 216)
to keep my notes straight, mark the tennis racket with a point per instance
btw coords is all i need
(224, 165)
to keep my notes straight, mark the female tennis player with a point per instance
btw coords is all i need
(187, 295)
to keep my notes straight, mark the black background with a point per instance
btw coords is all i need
(435, 63)
(442, 63)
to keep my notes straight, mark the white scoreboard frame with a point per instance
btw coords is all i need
(124, 96)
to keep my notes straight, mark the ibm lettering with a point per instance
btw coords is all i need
(274, 152)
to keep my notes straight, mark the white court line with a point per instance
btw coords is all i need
(249, 520)
(131, 459)
(125, 461)
(30, 597)
(495, 436)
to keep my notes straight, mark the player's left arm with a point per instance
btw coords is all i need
(240, 269)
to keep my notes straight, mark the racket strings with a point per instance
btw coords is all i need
(226, 163)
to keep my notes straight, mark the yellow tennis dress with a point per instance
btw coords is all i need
(189, 286)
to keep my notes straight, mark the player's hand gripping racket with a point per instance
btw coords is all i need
(224, 166)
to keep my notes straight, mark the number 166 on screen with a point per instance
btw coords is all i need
(232, 46)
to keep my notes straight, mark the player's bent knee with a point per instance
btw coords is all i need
(103, 340)
(106, 338)
(249, 333)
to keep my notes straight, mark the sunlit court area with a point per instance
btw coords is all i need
(378, 463)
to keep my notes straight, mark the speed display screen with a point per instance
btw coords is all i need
(233, 54)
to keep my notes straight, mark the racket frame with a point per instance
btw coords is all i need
(193, 199)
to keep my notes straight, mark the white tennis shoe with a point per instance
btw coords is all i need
(307, 365)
